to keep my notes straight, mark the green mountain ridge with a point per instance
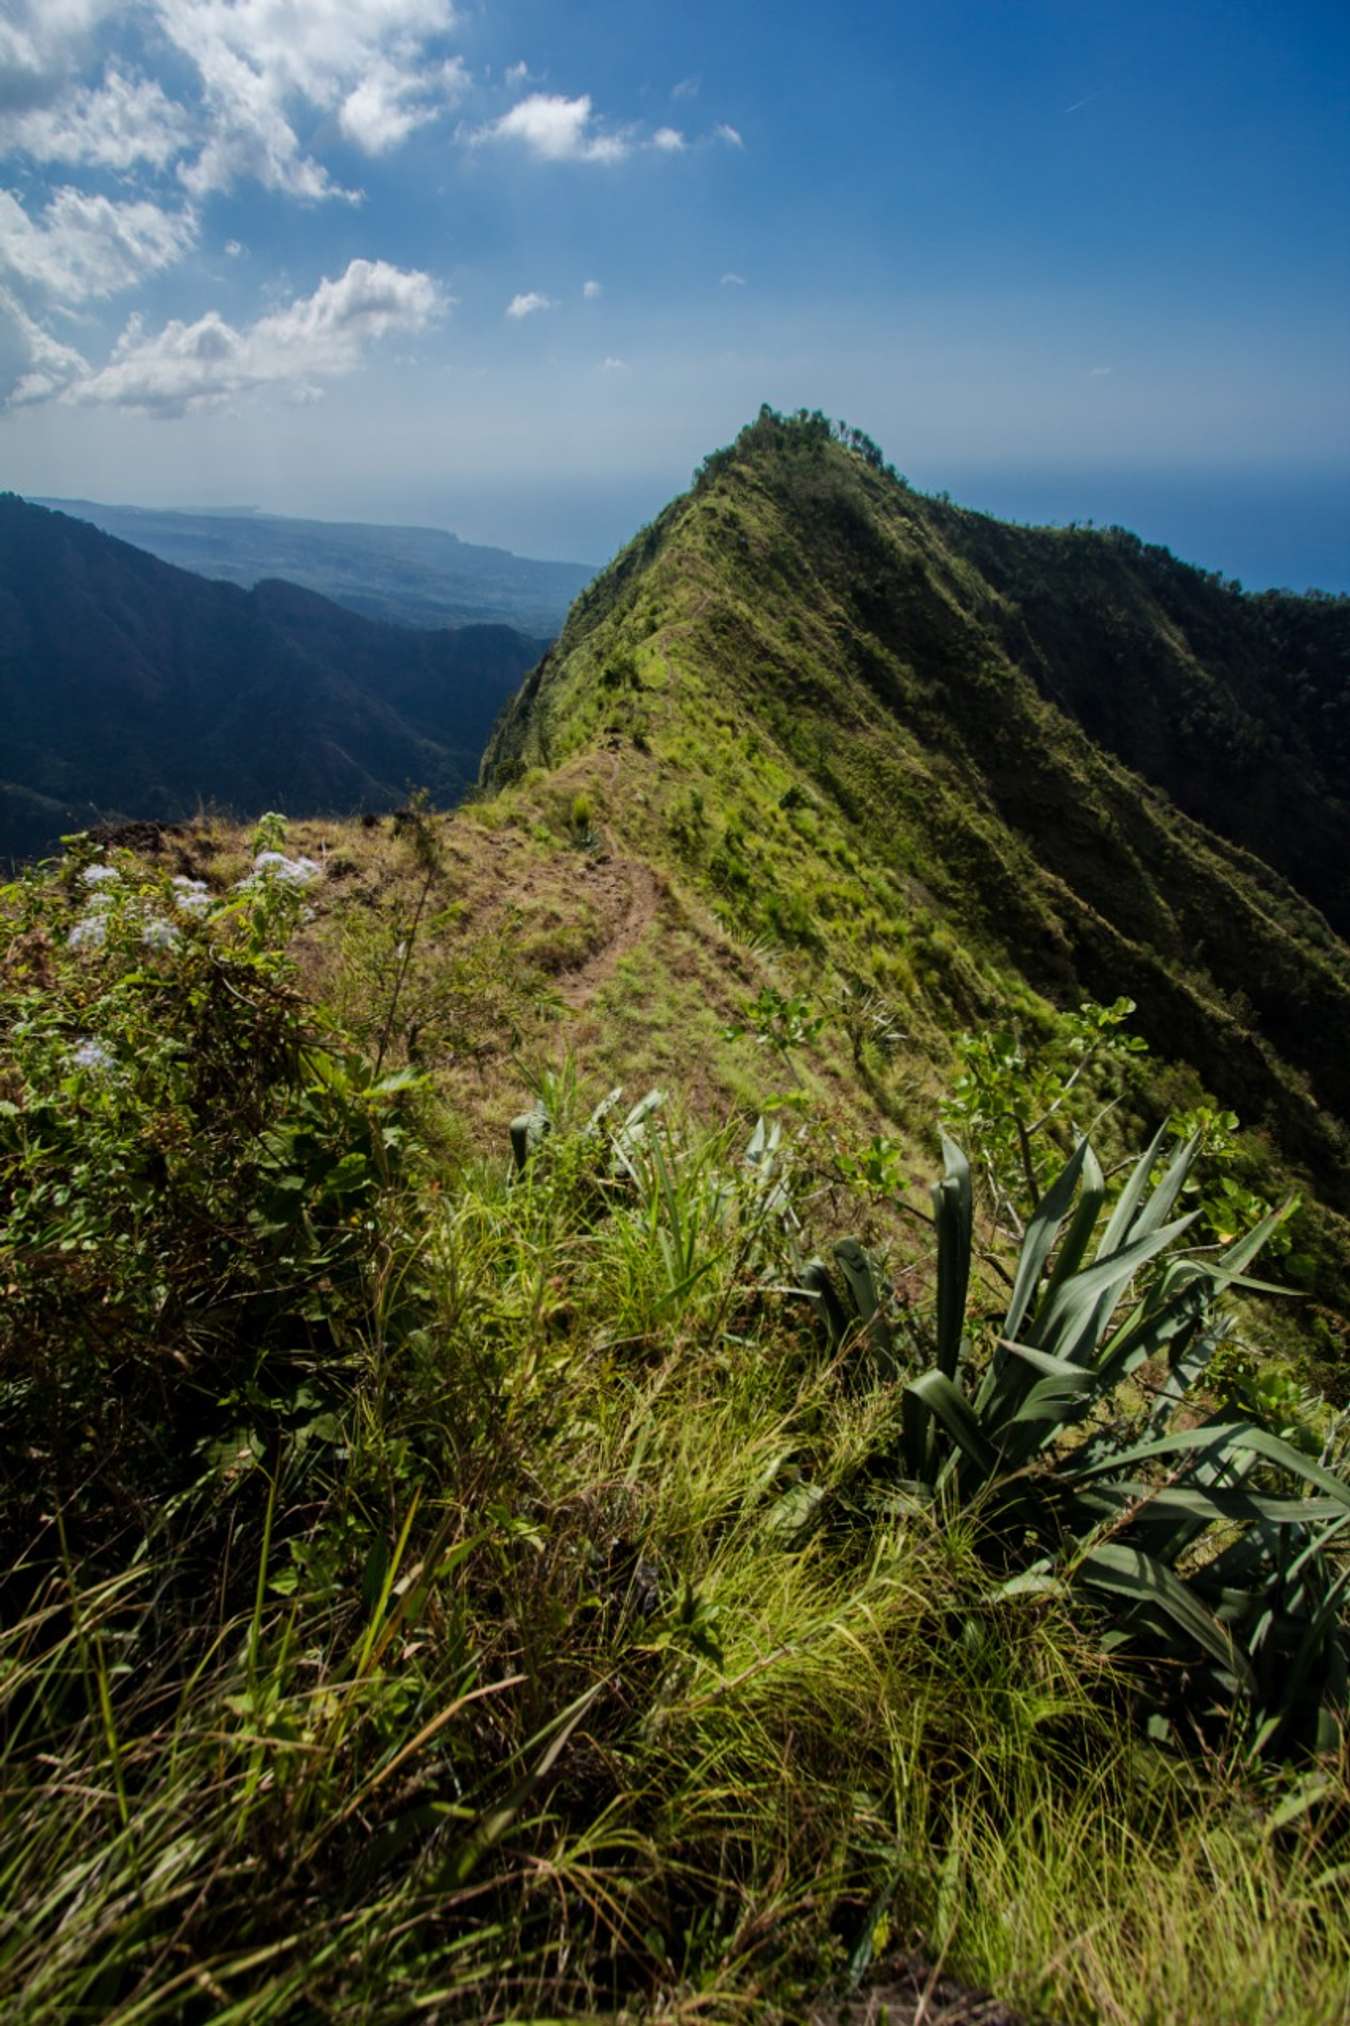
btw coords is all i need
(131, 688)
(879, 739)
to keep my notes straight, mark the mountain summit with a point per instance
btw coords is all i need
(929, 752)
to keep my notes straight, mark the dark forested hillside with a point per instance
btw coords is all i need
(131, 688)
(1237, 704)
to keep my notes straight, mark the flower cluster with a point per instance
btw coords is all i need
(104, 889)
(93, 1057)
(191, 896)
(89, 933)
(91, 930)
(275, 867)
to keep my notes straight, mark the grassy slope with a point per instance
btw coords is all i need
(466, 1670)
(243, 1780)
(794, 692)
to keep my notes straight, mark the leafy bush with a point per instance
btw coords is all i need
(1011, 1104)
(195, 1177)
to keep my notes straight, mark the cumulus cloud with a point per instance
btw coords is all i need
(528, 305)
(204, 364)
(688, 87)
(556, 129)
(261, 70)
(49, 366)
(113, 125)
(381, 112)
(733, 281)
(669, 140)
(728, 134)
(592, 290)
(364, 61)
(87, 246)
(42, 43)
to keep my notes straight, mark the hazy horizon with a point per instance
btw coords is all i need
(1269, 530)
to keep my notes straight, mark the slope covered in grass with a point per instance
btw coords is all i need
(667, 1564)
(800, 693)
(441, 1588)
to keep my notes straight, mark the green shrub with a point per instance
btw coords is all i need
(195, 1175)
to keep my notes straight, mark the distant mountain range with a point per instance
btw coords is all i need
(406, 576)
(130, 688)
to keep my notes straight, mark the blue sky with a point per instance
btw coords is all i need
(513, 268)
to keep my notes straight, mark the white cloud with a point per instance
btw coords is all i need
(388, 104)
(88, 246)
(50, 365)
(556, 129)
(517, 74)
(113, 125)
(234, 247)
(733, 281)
(592, 290)
(612, 365)
(688, 87)
(669, 140)
(207, 363)
(1099, 372)
(369, 62)
(728, 134)
(42, 43)
(528, 305)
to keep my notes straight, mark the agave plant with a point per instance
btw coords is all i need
(1209, 1542)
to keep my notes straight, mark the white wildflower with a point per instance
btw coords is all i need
(92, 1056)
(160, 935)
(89, 933)
(192, 896)
(99, 875)
(274, 868)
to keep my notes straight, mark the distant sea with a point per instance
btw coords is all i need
(1266, 529)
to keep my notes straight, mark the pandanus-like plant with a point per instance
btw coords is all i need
(1208, 1541)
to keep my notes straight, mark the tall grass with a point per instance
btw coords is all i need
(510, 1686)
